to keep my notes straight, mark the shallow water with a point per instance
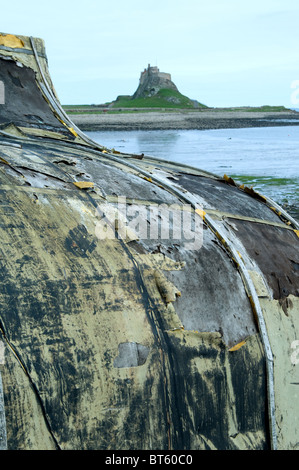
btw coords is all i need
(265, 158)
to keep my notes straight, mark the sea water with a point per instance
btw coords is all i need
(266, 158)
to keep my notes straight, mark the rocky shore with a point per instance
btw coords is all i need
(165, 120)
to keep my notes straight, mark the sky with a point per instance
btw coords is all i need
(220, 52)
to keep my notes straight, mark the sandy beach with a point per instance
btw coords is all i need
(206, 119)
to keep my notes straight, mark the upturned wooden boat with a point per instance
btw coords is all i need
(144, 304)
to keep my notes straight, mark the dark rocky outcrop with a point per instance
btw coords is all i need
(152, 81)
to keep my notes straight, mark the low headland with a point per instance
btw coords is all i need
(105, 118)
(157, 104)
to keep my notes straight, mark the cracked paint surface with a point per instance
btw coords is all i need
(131, 343)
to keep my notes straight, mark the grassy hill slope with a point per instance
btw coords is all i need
(164, 98)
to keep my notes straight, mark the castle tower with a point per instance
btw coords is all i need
(151, 81)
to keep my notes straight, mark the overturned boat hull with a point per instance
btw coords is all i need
(144, 304)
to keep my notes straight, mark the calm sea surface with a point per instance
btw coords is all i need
(265, 158)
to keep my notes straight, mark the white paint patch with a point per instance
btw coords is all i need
(34, 158)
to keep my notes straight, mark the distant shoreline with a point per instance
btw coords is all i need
(180, 120)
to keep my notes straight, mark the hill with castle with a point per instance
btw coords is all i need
(155, 90)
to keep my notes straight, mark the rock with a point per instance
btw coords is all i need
(152, 81)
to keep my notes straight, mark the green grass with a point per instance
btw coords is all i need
(165, 98)
(160, 102)
(253, 109)
(269, 109)
(121, 111)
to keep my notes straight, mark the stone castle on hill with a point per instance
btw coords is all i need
(154, 72)
(151, 81)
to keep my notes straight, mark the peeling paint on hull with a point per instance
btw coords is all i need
(135, 342)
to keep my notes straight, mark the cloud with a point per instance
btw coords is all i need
(101, 47)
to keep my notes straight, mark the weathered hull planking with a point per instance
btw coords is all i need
(113, 337)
